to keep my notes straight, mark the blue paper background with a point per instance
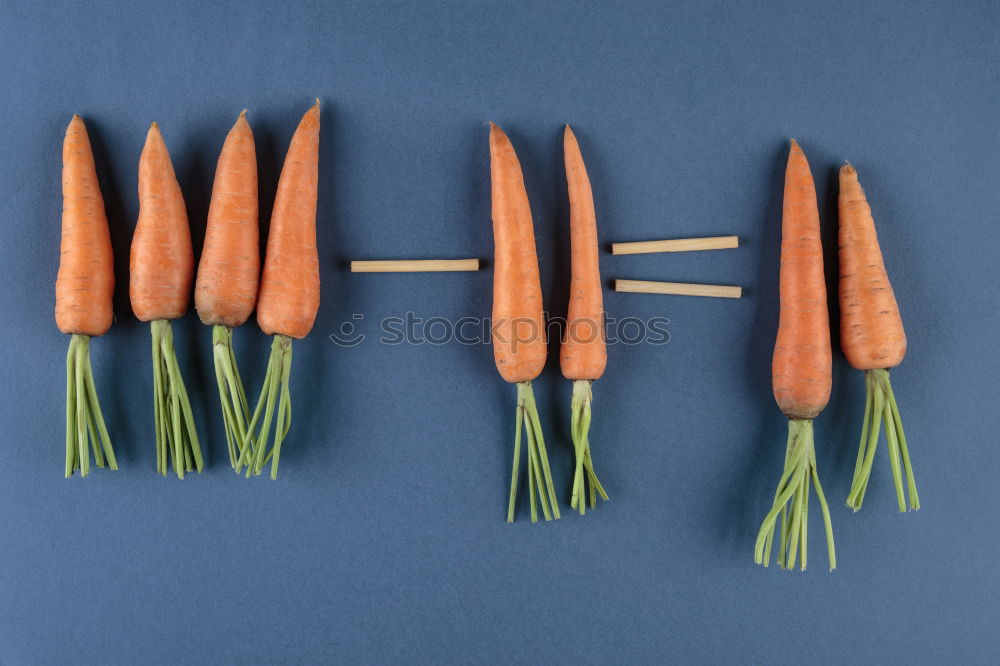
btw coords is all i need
(383, 540)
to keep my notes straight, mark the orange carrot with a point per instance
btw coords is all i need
(226, 290)
(872, 338)
(801, 367)
(84, 288)
(519, 344)
(86, 279)
(162, 260)
(160, 271)
(229, 269)
(289, 288)
(583, 354)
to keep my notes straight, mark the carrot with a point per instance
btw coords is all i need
(583, 354)
(518, 331)
(226, 289)
(801, 367)
(289, 289)
(84, 288)
(161, 267)
(872, 338)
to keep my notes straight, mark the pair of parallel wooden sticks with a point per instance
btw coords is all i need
(633, 286)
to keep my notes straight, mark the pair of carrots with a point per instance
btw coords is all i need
(872, 339)
(287, 299)
(161, 272)
(519, 341)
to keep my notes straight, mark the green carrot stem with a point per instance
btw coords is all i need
(518, 422)
(535, 473)
(232, 395)
(97, 417)
(176, 435)
(71, 463)
(83, 452)
(831, 552)
(540, 484)
(542, 472)
(232, 444)
(791, 501)
(579, 432)
(249, 446)
(159, 412)
(531, 491)
(897, 425)
(881, 409)
(85, 427)
(574, 428)
(284, 420)
(275, 393)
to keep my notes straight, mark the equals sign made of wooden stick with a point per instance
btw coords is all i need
(677, 288)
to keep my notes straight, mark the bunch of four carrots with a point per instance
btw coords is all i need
(229, 286)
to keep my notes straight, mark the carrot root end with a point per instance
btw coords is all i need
(85, 427)
(585, 481)
(176, 435)
(232, 395)
(541, 490)
(881, 410)
(791, 503)
(275, 393)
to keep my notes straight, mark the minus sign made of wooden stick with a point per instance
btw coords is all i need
(415, 266)
(677, 245)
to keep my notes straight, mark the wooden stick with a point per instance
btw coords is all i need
(678, 288)
(415, 266)
(677, 245)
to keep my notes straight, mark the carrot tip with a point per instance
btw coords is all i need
(153, 125)
(317, 102)
(243, 113)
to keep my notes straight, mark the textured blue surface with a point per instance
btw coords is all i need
(383, 541)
